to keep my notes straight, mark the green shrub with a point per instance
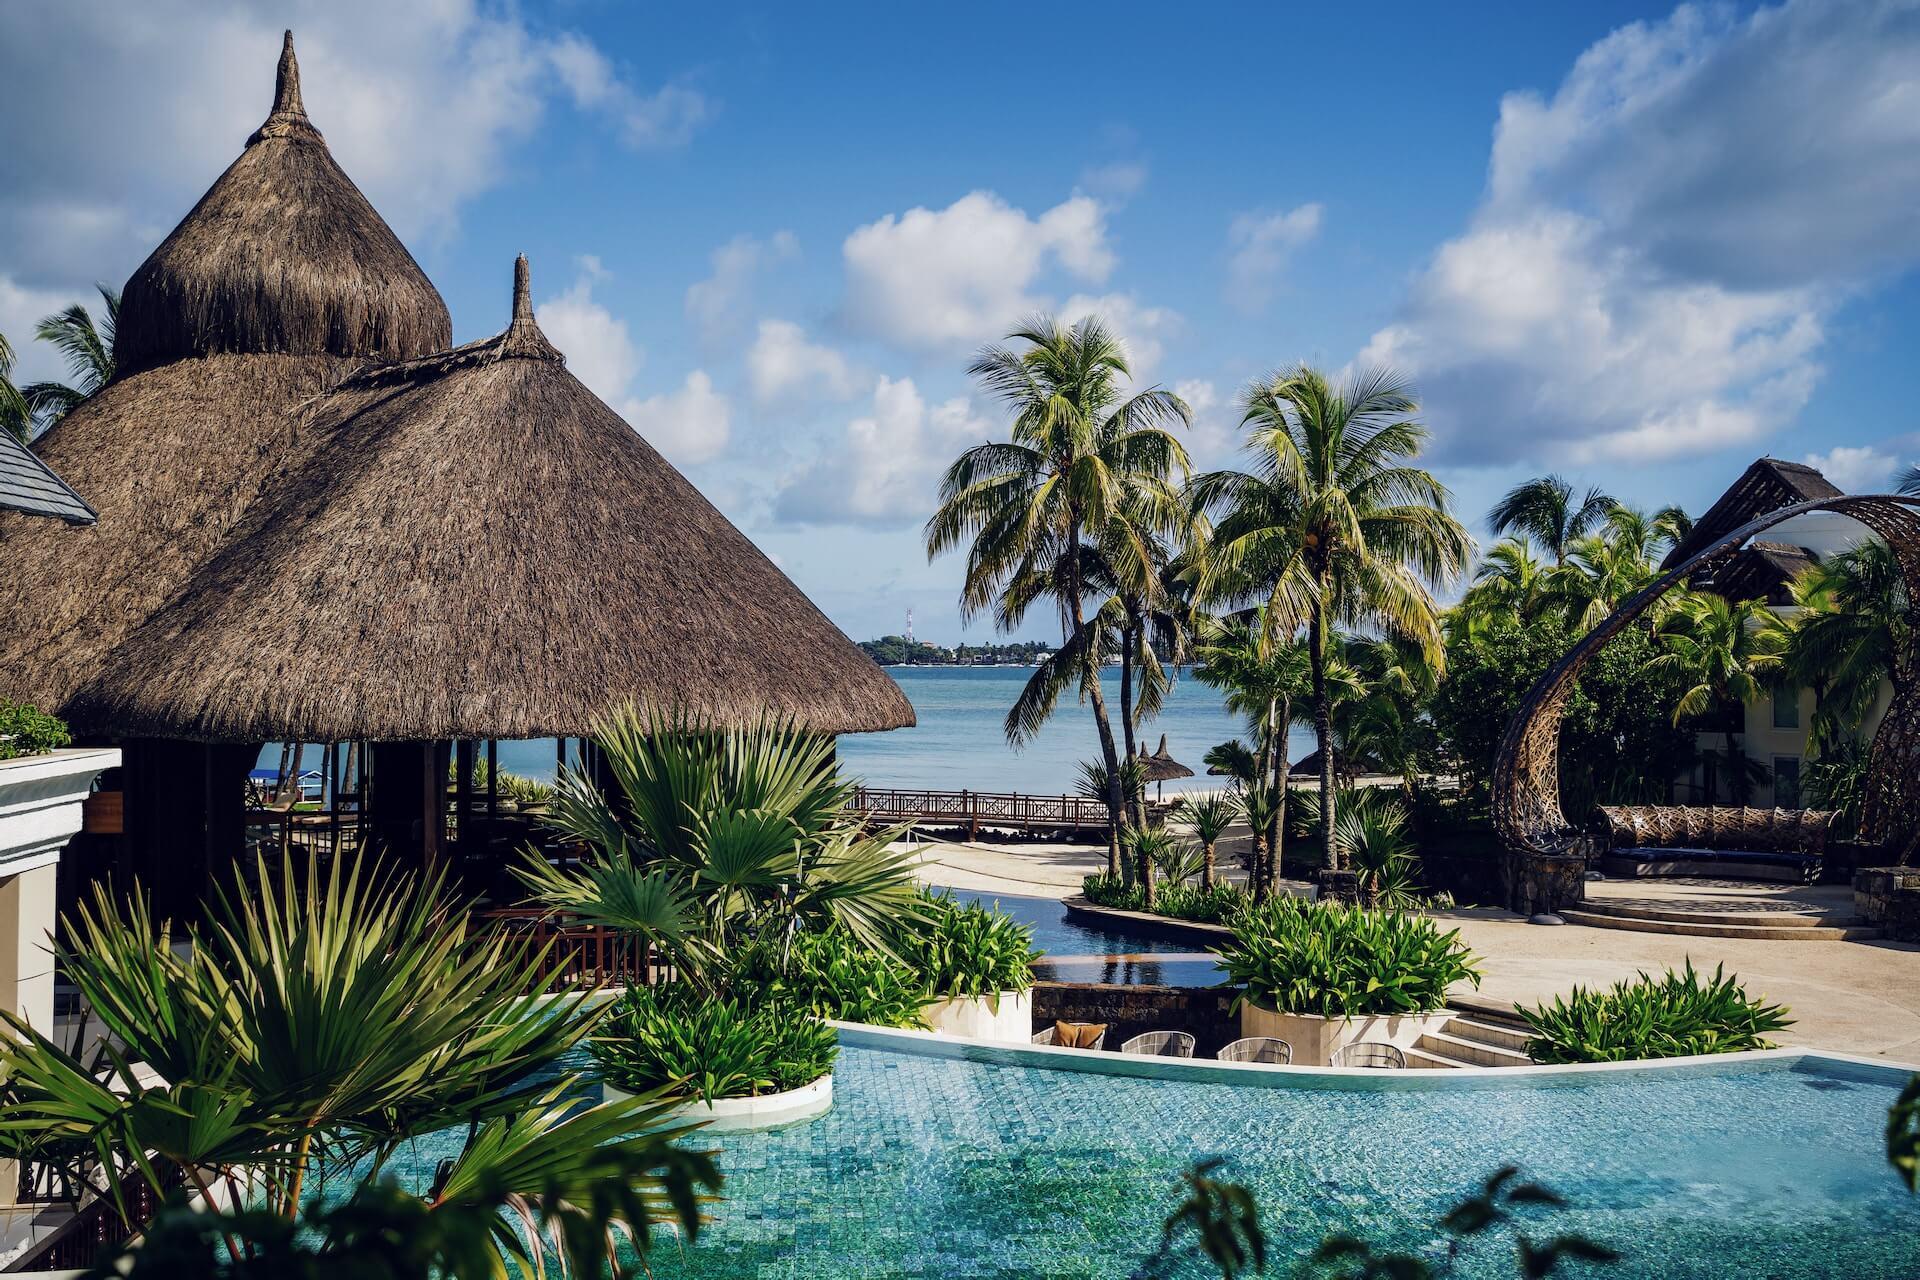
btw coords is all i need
(1370, 832)
(1338, 961)
(1205, 906)
(832, 974)
(710, 1047)
(1104, 890)
(1675, 1016)
(969, 950)
(27, 731)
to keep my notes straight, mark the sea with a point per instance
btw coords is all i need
(959, 742)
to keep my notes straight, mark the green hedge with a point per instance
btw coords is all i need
(710, 1047)
(1675, 1016)
(1337, 961)
(27, 731)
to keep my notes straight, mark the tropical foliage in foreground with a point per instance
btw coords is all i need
(1336, 961)
(323, 1023)
(28, 731)
(970, 950)
(1674, 1016)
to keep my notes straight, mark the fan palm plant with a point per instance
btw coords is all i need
(1731, 650)
(1130, 780)
(1209, 814)
(1545, 510)
(88, 348)
(1372, 834)
(1087, 468)
(328, 1022)
(1333, 526)
(1848, 636)
(718, 837)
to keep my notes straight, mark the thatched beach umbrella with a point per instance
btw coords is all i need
(277, 283)
(1162, 768)
(483, 549)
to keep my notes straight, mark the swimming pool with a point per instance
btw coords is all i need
(970, 1165)
(1081, 953)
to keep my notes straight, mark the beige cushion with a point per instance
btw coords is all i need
(1078, 1035)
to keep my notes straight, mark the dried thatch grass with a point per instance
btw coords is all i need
(283, 254)
(280, 281)
(482, 549)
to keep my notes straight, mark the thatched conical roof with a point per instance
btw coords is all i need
(1162, 767)
(174, 450)
(483, 549)
(282, 254)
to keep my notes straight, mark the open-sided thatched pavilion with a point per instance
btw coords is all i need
(386, 542)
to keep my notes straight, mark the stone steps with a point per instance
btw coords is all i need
(1758, 919)
(1598, 916)
(1469, 1042)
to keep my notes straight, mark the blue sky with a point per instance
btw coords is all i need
(1637, 245)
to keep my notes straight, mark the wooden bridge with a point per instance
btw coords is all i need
(976, 809)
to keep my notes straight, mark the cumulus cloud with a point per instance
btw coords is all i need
(1262, 245)
(690, 425)
(1116, 182)
(1215, 436)
(886, 468)
(421, 104)
(666, 117)
(599, 349)
(1856, 468)
(1665, 239)
(719, 306)
(1143, 329)
(783, 364)
(952, 278)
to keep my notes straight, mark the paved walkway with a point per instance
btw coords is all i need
(1851, 997)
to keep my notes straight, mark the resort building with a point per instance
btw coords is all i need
(1774, 732)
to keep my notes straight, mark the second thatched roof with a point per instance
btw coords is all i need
(483, 549)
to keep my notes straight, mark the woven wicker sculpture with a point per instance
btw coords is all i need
(1526, 780)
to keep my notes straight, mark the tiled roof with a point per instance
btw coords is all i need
(28, 484)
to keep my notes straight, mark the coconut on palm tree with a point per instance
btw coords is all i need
(88, 348)
(1731, 650)
(1089, 470)
(1545, 510)
(1332, 525)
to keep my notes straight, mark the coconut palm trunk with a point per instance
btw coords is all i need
(1323, 732)
(1090, 661)
(1277, 827)
(1129, 656)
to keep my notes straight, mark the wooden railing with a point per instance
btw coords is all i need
(583, 955)
(976, 809)
(98, 1230)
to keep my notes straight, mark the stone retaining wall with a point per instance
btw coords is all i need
(1128, 1011)
(1890, 898)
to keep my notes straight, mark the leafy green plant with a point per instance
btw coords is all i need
(1113, 891)
(1674, 1016)
(27, 731)
(970, 950)
(830, 974)
(1903, 1134)
(1209, 814)
(1371, 834)
(677, 1039)
(1837, 781)
(1337, 961)
(1206, 906)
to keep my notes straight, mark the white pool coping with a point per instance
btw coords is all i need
(1270, 1076)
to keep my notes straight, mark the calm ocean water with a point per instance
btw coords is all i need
(959, 744)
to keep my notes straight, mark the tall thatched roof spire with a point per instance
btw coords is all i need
(289, 115)
(283, 255)
(482, 549)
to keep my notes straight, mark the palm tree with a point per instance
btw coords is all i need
(1909, 481)
(16, 417)
(1333, 526)
(720, 837)
(1544, 509)
(335, 1020)
(1509, 583)
(1087, 468)
(89, 352)
(1730, 650)
(1848, 636)
(1209, 814)
(1602, 569)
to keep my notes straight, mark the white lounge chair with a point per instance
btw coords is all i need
(1160, 1044)
(1365, 1053)
(1270, 1049)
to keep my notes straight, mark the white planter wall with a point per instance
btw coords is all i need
(765, 1111)
(1007, 1016)
(1315, 1039)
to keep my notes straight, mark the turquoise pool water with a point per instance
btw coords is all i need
(936, 1167)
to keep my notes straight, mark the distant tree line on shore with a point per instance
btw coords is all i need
(898, 651)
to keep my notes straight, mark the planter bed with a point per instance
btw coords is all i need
(762, 1111)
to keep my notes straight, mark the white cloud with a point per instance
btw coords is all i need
(21, 310)
(719, 305)
(1263, 244)
(1855, 468)
(1665, 240)
(667, 117)
(1216, 435)
(782, 364)
(421, 104)
(1143, 329)
(953, 278)
(886, 468)
(1119, 181)
(690, 425)
(598, 347)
